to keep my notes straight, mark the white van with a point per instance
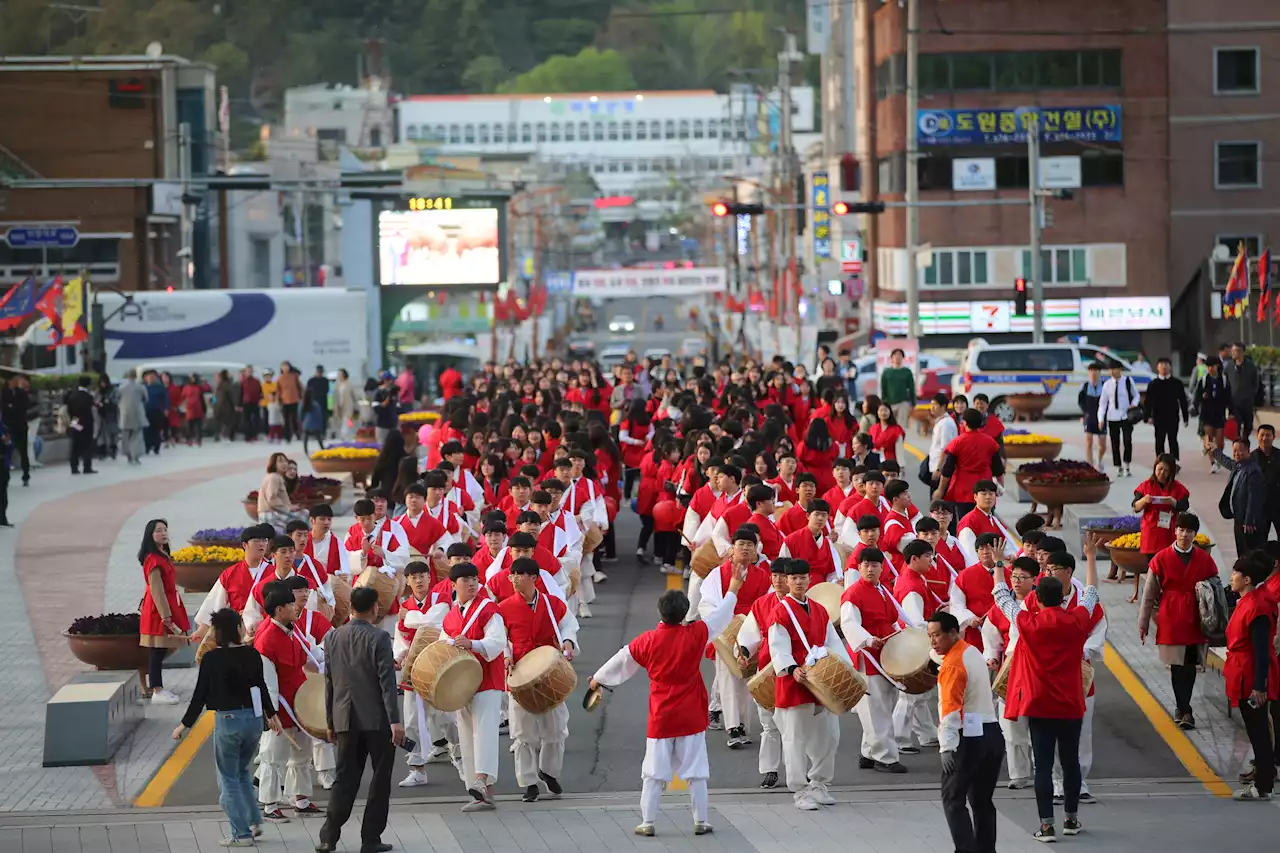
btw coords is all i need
(999, 370)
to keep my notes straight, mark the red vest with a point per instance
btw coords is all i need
(501, 588)
(763, 610)
(408, 605)
(911, 581)
(979, 522)
(973, 452)
(817, 553)
(879, 614)
(770, 537)
(813, 621)
(333, 562)
(237, 581)
(1045, 678)
(858, 508)
(1179, 621)
(1238, 671)
(978, 586)
(495, 670)
(288, 657)
(1154, 537)
(736, 516)
(672, 655)
(424, 534)
(786, 494)
(756, 585)
(355, 542)
(531, 627)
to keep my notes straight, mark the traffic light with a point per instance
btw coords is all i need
(733, 208)
(843, 208)
(1020, 297)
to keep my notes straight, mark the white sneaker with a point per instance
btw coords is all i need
(805, 802)
(599, 577)
(164, 697)
(1250, 794)
(439, 753)
(584, 612)
(328, 779)
(820, 795)
(455, 756)
(236, 842)
(415, 779)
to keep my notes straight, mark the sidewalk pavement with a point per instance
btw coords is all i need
(1219, 737)
(74, 553)
(1150, 821)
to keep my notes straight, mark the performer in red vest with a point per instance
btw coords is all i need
(1252, 675)
(999, 641)
(914, 713)
(813, 544)
(753, 640)
(983, 519)
(236, 581)
(972, 594)
(322, 546)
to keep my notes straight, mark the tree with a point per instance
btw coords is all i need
(590, 70)
(484, 74)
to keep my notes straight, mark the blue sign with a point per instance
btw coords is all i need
(1009, 126)
(821, 216)
(46, 237)
(558, 282)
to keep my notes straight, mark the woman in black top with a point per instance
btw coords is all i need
(230, 684)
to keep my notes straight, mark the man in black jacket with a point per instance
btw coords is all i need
(18, 408)
(1268, 459)
(1166, 404)
(80, 427)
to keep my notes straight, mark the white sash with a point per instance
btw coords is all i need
(866, 653)
(812, 654)
(322, 588)
(475, 612)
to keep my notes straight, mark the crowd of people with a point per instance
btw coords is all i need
(756, 492)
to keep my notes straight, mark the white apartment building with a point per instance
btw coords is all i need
(652, 146)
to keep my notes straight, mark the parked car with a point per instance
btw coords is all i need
(621, 324)
(581, 348)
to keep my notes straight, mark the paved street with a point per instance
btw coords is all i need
(644, 312)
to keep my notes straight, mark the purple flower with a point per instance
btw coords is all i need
(114, 624)
(1009, 431)
(219, 533)
(356, 445)
(1115, 522)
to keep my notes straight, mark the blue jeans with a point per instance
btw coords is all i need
(235, 742)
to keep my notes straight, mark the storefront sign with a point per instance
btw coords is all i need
(821, 216)
(643, 283)
(1060, 173)
(973, 174)
(1124, 313)
(1009, 126)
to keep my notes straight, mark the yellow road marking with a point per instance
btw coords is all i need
(1177, 741)
(675, 582)
(177, 763)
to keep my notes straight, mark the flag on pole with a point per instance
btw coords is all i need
(1264, 284)
(17, 304)
(1235, 302)
(49, 303)
(74, 298)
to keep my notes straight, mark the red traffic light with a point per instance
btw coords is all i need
(720, 209)
(840, 208)
(1020, 285)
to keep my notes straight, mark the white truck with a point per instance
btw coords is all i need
(201, 331)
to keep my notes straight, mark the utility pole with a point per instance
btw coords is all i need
(790, 54)
(913, 177)
(1037, 223)
(185, 254)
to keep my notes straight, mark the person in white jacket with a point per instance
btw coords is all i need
(1119, 394)
(1017, 733)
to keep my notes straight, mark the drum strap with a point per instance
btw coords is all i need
(284, 703)
(304, 640)
(475, 613)
(551, 614)
(322, 588)
(813, 654)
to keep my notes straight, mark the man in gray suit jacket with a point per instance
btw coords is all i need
(364, 721)
(1244, 500)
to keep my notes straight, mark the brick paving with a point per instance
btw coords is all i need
(73, 553)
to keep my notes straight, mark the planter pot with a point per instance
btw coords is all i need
(216, 543)
(1045, 451)
(1106, 534)
(199, 577)
(1061, 494)
(1129, 559)
(116, 651)
(1031, 406)
(366, 434)
(344, 466)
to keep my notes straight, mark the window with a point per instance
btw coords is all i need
(498, 130)
(892, 171)
(1236, 70)
(957, 268)
(584, 130)
(628, 166)
(684, 128)
(655, 130)
(260, 252)
(442, 132)
(613, 131)
(469, 133)
(1237, 165)
(526, 132)
(971, 71)
(1252, 243)
(1102, 168)
(642, 130)
(568, 131)
(670, 132)
(413, 132)
(597, 131)
(713, 128)
(626, 131)
(697, 129)
(542, 131)
(1059, 266)
(1091, 355)
(642, 165)
(1056, 359)
(484, 134)
(511, 132)
(1100, 69)
(740, 127)
(935, 72)
(726, 128)
(613, 165)
(1008, 71)
(1015, 71)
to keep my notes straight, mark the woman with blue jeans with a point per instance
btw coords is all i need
(230, 684)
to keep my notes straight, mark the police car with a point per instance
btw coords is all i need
(1001, 370)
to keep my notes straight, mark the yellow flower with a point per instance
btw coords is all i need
(1132, 541)
(212, 554)
(346, 453)
(419, 417)
(1202, 540)
(1033, 438)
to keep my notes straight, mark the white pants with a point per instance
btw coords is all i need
(323, 756)
(876, 713)
(810, 737)
(438, 725)
(735, 699)
(1086, 752)
(1017, 745)
(587, 586)
(770, 742)
(665, 758)
(478, 735)
(695, 593)
(539, 741)
(284, 765)
(914, 715)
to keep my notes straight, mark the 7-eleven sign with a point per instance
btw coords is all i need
(993, 316)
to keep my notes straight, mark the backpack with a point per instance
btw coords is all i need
(1211, 599)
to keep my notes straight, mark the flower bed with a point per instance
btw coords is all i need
(1057, 483)
(1133, 542)
(222, 537)
(326, 487)
(1031, 446)
(197, 568)
(110, 641)
(354, 458)
(417, 419)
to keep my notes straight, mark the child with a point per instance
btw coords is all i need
(275, 418)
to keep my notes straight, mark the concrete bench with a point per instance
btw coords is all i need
(88, 718)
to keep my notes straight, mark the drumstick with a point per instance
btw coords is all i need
(285, 732)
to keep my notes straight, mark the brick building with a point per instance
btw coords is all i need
(114, 119)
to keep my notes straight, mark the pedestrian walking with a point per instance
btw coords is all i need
(1246, 387)
(1244, 499)
(289, 391)
(133, 416)
(224, 406)
(1159, 499)
(231, 684)
(1212, 398)
(1095, 433)
(1119, 398)
(969, 737)
(345, 402)
(18, 408)
(897, 387)
(80, 408)
(157, 406)
(251, 403)
(193, 409)
(1166, 406)
(364, 721)
(108, 418)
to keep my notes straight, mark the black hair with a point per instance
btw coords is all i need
(149, 545)
(1189, 521)
(1049, 591)
(983, 485)
(916, 548)
(321, 511)
(896, 488)
(869, 522)
(946, 621)
(460, 549)
(1062, 560)
(1052, 544)
(673, 606)
(522, 540)
(526, 566)
(364, 599)
(985, 540)
(226, 625)
(296, 582)
(819, 505)
(296, 525)
(973, 420)
(1027, 564)
(364, 506)
(435, 480)
(927, 525)
(417, 567)
(759, 494)
(871, 555)
(280, 596)
(1029, 522)
(279, 542)
(463, 570)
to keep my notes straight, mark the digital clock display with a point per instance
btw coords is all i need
(436, 203)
